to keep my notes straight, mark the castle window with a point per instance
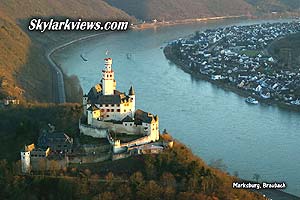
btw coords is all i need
(125, 110)
(125, 124)
(112, 110)
(118, 110)
(107, 115)
(107, 110)
(106, 105)
(110, 75)
(102, 110)
(131, 124)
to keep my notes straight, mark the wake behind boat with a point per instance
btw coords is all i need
(251, 100)
(83, 58)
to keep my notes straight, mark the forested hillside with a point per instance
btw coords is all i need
(178, 9)
(174, 174)
(275, 5)
(24, 70)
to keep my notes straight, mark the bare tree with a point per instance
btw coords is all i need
(236, 173)
(218, 164)
(256, 177)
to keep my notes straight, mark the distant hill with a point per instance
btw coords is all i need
(92, 9)
(275, 5)
(178, 9)
(24, 71)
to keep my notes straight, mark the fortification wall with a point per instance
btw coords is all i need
(119, 128)
(91, 158)
(120, 156)
(44, 164)
(93, 131)
(90, 148)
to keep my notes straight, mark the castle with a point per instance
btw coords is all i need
(109, 114)
(107, 111)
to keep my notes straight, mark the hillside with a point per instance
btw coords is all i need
(14, 49)
(24, 71)
(89, 9)
(177, 9)
(275, 5)
(174, 173)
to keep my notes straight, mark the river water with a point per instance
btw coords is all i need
(214, 123)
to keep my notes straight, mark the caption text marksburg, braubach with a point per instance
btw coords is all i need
(37, 24)
(257, 186)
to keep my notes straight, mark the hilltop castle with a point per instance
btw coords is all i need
(108, 113)
(107, 110)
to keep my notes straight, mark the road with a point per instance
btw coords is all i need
(58, 76)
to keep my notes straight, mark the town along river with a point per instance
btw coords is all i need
(214, 123)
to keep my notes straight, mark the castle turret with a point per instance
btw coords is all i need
(108, 78)
(84, 104)
(132, 96)
(25, 158)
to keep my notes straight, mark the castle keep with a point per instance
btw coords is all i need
(108, 111)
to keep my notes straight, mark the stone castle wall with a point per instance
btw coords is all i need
(119, 128)
(93, 131)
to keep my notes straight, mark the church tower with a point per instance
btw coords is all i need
(108, 78)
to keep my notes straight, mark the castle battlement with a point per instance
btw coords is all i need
(107, 108)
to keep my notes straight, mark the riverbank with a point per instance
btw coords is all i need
(143, 26)
(169, 54)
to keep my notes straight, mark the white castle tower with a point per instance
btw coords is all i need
(25, 158)
(132, 96)
(108, 78)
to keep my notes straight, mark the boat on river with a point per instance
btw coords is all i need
(83, 58)
(251, 100)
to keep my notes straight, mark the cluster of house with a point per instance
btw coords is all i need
(237, 55)
(108, 115)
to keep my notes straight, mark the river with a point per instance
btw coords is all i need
(214, 123)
